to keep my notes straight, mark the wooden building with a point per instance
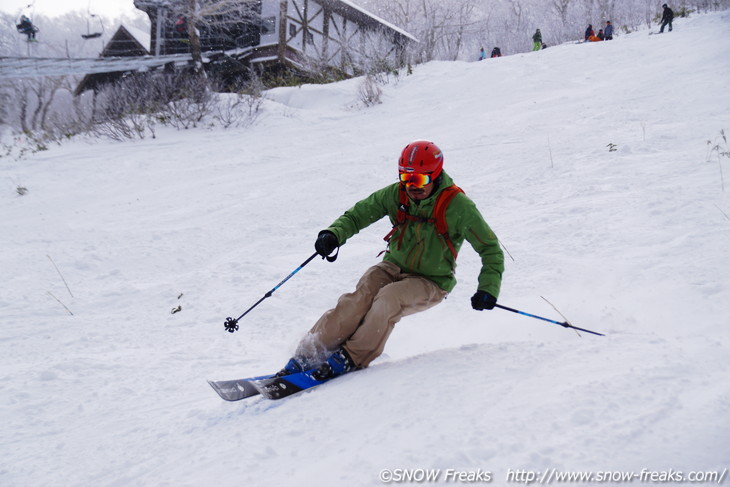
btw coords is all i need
(302, 36)
(126, 42)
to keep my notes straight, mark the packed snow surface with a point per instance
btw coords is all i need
(591, 163)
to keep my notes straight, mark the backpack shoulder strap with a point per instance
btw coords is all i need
(442, 203)
(401, 214)
(438, 217)
(439, 214)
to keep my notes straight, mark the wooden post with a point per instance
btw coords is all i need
(282, 30)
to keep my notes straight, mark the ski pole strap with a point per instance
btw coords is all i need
(564, 324)
(330, 258)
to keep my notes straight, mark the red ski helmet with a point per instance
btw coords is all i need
(421, 157)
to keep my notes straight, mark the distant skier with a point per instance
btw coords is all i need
(589, 33)
(181, 25)
(608, 31)
(26, 27)
(496, 52)
(482, 54)
(431, 218)
(667, 17)
(537, 40)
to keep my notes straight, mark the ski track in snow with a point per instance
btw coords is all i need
(631, 242)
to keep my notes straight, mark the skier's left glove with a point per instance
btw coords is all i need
(483, 300)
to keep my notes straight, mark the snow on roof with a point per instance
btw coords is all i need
(144, 38)
(378, 19)
(142, 4)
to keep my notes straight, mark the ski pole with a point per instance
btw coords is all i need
(564, 324)
(232, 325)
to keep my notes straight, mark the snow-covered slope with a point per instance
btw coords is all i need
(589, 161)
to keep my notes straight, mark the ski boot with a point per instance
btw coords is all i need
(337, 364)
(293, 366)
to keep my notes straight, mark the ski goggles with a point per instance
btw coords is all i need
(414, 179)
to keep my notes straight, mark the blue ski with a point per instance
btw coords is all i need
(235, 390)
(281, 387)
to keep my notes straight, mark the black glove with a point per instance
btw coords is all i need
(326, 243)
(483, 300)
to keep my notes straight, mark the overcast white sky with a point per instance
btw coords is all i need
(107, 8)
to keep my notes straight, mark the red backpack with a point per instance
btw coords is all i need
(438, 217)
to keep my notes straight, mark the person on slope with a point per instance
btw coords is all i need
(589, 33)
(608, 31)
(417, 270)
(667, 17)
(537, 40)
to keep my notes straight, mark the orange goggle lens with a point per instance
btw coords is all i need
(413, 179)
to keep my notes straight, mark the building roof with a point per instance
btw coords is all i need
(359, 12)
(125, 43)
(345, 7)
(143, 37)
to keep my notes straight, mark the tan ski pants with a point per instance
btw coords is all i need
(362, 320)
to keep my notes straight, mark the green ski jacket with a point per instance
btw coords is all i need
(416, 247)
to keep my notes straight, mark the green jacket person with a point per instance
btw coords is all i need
(431, 218)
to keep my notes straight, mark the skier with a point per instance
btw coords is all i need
(26, 27)
(416, 273)
(608, 31)
(496, 52)
(181, 25)
(537, 39)
(667, 17)
(482, 54)
(589, 33)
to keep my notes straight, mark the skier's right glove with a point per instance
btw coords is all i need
(326, 243)
(483, 300)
